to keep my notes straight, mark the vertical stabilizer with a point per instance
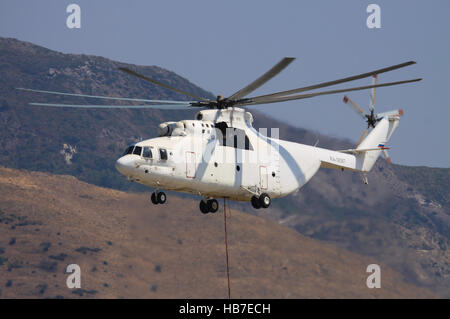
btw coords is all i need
(377, 138)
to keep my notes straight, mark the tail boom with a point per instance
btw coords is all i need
(363, 158)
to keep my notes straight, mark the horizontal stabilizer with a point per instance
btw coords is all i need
(391, 114)
(359, 151)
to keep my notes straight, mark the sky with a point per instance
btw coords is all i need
(223, 45)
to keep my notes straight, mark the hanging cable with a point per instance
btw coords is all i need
(226, 244)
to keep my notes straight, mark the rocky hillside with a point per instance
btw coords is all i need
(128, 248)
(401, 218)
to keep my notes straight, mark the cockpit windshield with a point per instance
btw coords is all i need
(129, 150)
(132, 149)
(137, 150)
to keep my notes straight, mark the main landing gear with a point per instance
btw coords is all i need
(158, 198)
(262, 200)
(209, 206)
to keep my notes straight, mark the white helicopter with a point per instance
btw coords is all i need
(220, 154)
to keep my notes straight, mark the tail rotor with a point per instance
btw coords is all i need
(371, 118)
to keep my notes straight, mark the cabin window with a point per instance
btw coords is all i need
(233, 137)
(137, 150)
(247, 145)
(241, 140)
(147, 152)
(222, 128)
(163, 154)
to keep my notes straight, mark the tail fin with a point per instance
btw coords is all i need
(377, 138)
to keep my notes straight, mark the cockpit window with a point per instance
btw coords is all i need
(137, 150)
(129, 150)
(163, 154)
(147, 152)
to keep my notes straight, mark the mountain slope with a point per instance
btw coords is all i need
(97, 136)
(127, 247)
(401, 218)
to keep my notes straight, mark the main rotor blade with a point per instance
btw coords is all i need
(265, 100)
(162, 84)
(343, 80)
(280, 66)
(93, 106)
(103, 97)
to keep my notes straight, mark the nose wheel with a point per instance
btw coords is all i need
(209, 206)
(158, 198)
(262, 200)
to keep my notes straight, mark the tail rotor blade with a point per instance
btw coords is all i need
(355, 106)
(373, 92)
(386, 156)
(362, 137)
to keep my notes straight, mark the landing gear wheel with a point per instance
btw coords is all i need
(213, 205)
(154, 199)
(255, 202)
(264, 200)
(204, 207)
(161, 197)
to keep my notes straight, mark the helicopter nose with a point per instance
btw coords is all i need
(125, 165)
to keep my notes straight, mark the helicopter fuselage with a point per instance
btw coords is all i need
(221, 155)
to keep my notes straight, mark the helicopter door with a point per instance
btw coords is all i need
(190, 165)
(263, 179)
